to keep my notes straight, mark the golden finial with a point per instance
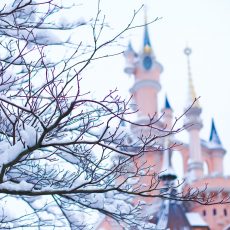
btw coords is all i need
(147, 49)
(192, 94)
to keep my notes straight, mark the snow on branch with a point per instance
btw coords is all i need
(63, 152)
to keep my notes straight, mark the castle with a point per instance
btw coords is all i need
(171, 214)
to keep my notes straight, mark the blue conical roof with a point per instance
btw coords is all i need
(130, 47)
(146, 37)
(167, 104)
(214, 135)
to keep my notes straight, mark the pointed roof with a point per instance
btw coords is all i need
(172, 215)
(129, 50)
(130, 47)
(147, 43)
(167, 104)
(214, 135)
(146, 36)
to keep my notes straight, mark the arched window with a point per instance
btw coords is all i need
(225, 212)
(214, 212)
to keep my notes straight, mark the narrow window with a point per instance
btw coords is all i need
(214, 212)
(225, 212)
(204, 212)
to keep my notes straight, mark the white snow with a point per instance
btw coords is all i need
(22, 186)
(39, 203)
(6, 78)
(65, 22)
(5, 99)
(195, 219)
(28, 135)
(11, 153)
(12, 213)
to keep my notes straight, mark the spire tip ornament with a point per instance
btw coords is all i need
(192, 94)
(187, 51)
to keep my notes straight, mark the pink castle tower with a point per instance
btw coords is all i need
(146, 71)
(194, 124)
(212, 154)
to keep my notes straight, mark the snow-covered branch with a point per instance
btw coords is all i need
(62, 151)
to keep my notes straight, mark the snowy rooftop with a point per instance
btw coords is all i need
(195, 219)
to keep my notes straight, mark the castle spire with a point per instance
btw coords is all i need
(191, 90)
(214, 135)
(147, 44)
(146, 71)
(193, 125)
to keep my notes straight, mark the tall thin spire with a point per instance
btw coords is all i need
(147, 43)
(191, 90)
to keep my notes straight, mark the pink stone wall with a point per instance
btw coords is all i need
(144, 100)
(218, 215)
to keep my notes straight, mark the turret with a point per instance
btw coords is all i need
(146, 71)
(217, 151)
(193, 125)
(130, 56)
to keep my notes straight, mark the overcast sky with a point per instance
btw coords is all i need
(202, 24)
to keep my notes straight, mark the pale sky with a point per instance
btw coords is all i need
(202, 24)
